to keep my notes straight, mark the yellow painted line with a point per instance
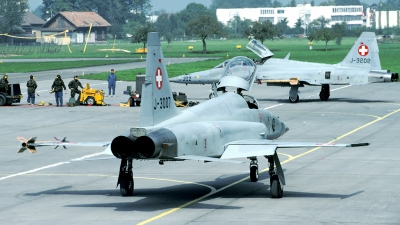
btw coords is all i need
(266, 169)
(289, 156)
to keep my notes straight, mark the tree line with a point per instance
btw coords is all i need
(129, 20)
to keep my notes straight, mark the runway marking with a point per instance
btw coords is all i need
(264, 170)
(274, 106)
(356, 114)
(49, 166)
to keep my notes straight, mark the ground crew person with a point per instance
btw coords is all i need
(73, 86)
(31, 84)
(112, 80)
(4, 85)
(57, 87)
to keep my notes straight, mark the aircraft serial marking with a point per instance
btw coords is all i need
(163, 103)
(360, 60)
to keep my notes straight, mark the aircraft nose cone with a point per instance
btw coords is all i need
(175, 79)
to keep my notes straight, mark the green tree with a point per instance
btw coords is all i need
(338, 30)
(12, 12)
(236, 27)
(276, 4)
(321, 31)
(140, 35)
(347, 2)
(227, 4)
(292, 3)
(299, 26)
(282, 26)
(203, 26)
(262, 31)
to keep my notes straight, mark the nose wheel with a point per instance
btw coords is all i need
(254, 170)
(276, 188)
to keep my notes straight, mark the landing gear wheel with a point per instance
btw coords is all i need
(137, 103)
(126, 186)
(2, 100)
(90, 101)
(294, 100)
(254, 173)
(323, 97)
(325, 92)
(276, 188)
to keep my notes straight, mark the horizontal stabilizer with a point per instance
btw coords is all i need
(206, 159)
(262, 147)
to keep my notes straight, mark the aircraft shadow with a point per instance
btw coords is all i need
(167, 197)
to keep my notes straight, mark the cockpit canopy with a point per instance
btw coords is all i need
(239, 73)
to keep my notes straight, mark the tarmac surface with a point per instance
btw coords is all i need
(324, 185)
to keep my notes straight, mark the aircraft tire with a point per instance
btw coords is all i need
(126, 186)
(276, 188)
(137, 103)
(292, 100)
(3, 100)
(253, 173)
(323, 97)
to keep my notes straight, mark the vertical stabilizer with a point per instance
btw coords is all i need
(157, 101)
(364, 53)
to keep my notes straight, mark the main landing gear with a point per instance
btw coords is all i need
(325, 92)
(125, 178)
(276, 176)
(293, 96)
(253, 170)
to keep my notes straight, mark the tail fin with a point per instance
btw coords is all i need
(157, 101)
(364, 53)
(26, 144)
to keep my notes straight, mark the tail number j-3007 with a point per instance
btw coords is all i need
(162, 103)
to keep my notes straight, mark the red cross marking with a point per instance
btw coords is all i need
(363, 50)
(159, 79)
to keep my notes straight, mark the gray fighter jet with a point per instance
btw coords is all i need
(218, 130)
(360, 66)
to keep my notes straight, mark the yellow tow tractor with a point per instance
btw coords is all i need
(91, 96)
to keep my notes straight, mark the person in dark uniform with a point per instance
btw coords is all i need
(4, 84)
(57, 88)
(31, 84)
(73, 86)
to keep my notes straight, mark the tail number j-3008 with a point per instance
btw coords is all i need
(162, 103)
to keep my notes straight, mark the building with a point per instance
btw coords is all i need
(78, 25)
(351, 14)
(386, 19)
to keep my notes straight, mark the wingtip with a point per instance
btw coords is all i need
(359, 144)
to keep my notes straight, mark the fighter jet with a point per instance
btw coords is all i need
(217, 130)
(360, 66)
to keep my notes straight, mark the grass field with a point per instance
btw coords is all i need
(17, 67)
(222, 49)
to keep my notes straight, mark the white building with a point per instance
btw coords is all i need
(386, 19)
(351, 14)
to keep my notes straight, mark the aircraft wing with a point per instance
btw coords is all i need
(207, 159)
(260, 147)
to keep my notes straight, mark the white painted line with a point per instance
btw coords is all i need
(274, 106)
(49, 166)
(34, 170)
